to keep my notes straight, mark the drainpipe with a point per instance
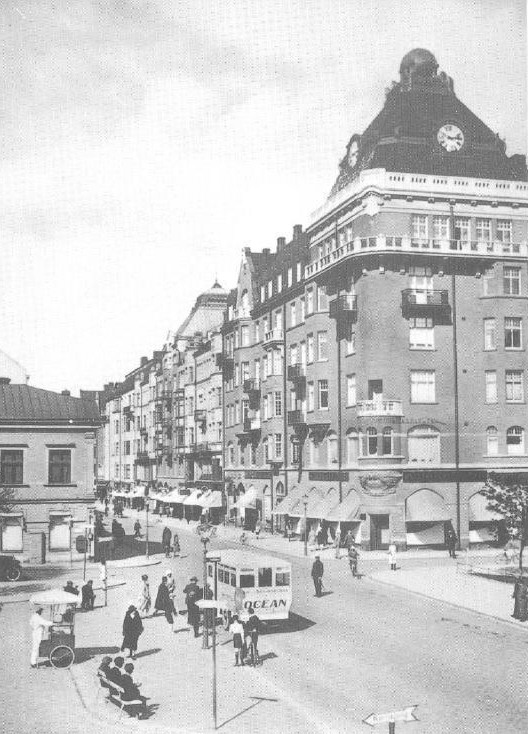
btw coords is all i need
(224, 492)
(286, 447)
(339, 386)
(455, 380)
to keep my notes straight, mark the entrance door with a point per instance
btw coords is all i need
(379, 532)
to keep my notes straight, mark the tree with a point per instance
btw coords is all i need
(507, 495)
(6, 499)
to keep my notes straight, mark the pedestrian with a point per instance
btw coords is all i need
(166, 540)
(171, 586)
(38, 624)
(175, 545)
(391, 552)
(252, 635)
(163, 602)
(132, 628)
(353, 556)
(237, 630)
(349, 538)
(451, 541)
(87, 596)
(317, 575)
(137, 530)
(144, 601)
(517, 595)
(71, 589)
(243, 538)
(115, 671)
(193, 593)
(320, 539)
(258, 528)
(337, 543)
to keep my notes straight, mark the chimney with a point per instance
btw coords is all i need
(66, 393)
(266, 251)
(297, 231)
(5, 380)
(281, 243)
(143, 361)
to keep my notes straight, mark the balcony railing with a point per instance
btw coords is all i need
(273, 337)
(344, 307)
(296, 418)
(421, 302)
(384, 244)
(379, 407)
(296, 372)
(200, 416)
(251, 385)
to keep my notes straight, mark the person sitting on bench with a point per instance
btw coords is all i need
(131, 689)
(114, 673)
(104, 669)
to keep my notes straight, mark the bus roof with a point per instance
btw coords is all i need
(246, 559)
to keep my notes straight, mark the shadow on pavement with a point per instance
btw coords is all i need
(295, 623)
(83, 654)
(267, 656)
(256, 702)
(144, 653)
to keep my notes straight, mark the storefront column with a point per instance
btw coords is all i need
(397, 526)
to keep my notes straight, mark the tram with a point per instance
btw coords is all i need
(241, 579)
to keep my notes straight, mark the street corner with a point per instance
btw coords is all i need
(135, 562)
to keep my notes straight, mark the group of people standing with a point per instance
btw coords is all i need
(166, 603)
(170, 543)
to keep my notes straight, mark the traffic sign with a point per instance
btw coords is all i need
(406, 714)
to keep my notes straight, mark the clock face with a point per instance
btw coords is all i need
(450, 137)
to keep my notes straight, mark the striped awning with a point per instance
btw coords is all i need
(426, 506)
(347, 510)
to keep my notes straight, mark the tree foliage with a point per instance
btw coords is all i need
(507, 495)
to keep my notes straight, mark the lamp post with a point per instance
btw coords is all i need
(147, 528)
(206, 532)
(305, 503)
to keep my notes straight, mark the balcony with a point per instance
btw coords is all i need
(273, 338)
(379, 407)
(296, 373)
(344, 308)
(128, 410)
(251, 385)
(416, 303)
(200, 416)
(296, 418)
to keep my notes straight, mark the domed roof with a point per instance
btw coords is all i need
(420, 61)
(215, 290)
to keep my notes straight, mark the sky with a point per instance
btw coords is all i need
(146, 142)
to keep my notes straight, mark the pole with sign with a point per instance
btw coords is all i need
(147, 529)
(205, 605)
(390, 718)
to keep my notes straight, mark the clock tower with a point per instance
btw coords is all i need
(424, 128)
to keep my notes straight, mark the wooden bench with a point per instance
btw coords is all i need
(115, 693)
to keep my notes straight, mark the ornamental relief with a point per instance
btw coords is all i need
(379, 485)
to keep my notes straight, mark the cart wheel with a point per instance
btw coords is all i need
(62, 656)
(13, 573)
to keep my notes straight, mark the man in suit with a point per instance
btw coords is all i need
(317, 575)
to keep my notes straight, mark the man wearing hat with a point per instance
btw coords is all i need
(193, 593)
(38, 624)
(317, 575)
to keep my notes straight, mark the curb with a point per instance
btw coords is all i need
(17, 599)
(138, 562)
(422, 595)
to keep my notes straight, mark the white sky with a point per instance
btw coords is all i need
(144, 143)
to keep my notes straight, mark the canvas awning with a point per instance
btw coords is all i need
(287, 503)
(173, 497)
(193, 498)
(213, 499)
(347, 511)
(249, 499)
(323, 506)
(478, 510)
(314, 497)
(426, 506)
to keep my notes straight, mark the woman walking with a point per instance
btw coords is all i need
(175, 545)
(144, 602)
(392, 556)
(164, 603)
(171, 586)
(132, 628)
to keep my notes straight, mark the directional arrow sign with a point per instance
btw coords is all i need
(406, 715)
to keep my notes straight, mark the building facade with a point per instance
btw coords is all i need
(47, 475)
(389, 378)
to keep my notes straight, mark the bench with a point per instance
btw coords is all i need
(116, 693)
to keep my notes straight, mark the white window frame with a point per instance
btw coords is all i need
(351, 390)
(516, 432)
(423, 386)
(491, 391)
(514, 379)
(512, 330)
(490, 334)
(492, 441)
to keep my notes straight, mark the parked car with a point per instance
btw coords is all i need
(9, 568)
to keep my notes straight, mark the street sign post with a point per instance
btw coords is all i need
(390, 718)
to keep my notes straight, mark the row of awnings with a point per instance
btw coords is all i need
(424, 506)
(133, 492)
(207, 499)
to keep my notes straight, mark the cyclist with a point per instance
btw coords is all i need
(353, 556)
(252, 630)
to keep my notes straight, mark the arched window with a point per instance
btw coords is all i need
(372, 441)
(352, 442)
(423, 445)
(332, 448)
(387, 446)
(492, 441)
(515, 440)
(279, 490)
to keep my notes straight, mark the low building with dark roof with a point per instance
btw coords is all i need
(47, 443)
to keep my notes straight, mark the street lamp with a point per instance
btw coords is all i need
(147, 529)
(205, 605)
(305, 503)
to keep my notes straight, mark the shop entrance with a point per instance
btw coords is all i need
(379, 532)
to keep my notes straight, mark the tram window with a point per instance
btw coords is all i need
(221, 574)
(210, 571)
(247, 580)
(282, 578)
(264, 577)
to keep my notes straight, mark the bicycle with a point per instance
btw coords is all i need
(252, 650)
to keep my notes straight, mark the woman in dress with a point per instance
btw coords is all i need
(237, 630)
(144, 601)
(132, 628)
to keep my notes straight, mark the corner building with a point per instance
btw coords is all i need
(403, 344)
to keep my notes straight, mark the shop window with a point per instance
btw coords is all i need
(423, 445)
(60, 533)
(12, 539)
(59, 466)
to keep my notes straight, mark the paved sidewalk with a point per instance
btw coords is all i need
(454, 586)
